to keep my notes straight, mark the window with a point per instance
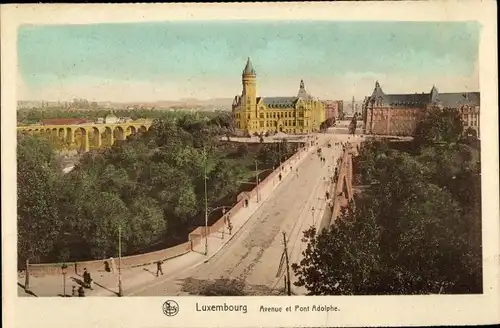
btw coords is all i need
(261, 124)
(261, 115)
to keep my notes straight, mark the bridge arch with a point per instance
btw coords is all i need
(107, 137)
(94, 138)
(130, 130)
(70, 136)
(143, 129)
(81, 138)
(118, 133)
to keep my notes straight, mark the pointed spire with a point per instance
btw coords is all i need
(249, 68)
(302, 91)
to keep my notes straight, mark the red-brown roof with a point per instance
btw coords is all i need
(64, 121)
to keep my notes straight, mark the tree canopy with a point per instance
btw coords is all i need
(439, 126)
(150, 186)
(415, 230)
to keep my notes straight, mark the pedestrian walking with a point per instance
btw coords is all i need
(73, 291)
(229, 226)
(81, 292)
(87, 279)
(327, 194)
(246, 202)
(159, 268)
(279, 176)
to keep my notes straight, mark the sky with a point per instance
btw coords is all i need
(205, 59)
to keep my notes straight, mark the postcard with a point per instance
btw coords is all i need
(250, 165)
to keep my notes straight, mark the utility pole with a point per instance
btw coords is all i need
(314, 223)
(257, 180)
(279, 151)
(206, 203)
(288, 285)
(120, 293)
(27, 281)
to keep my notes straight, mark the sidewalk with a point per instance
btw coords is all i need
(136, 279)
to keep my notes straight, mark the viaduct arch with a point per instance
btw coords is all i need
(87, 136)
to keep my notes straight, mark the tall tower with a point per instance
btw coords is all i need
(249, 96)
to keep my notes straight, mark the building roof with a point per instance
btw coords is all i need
(249, 68)
(412, 100)
(279, 102)
(453, 100)
(418, 99)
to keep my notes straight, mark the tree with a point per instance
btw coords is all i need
(38, 218)
(217, 287)
(405, 235)
(242, 150)
(439, 126)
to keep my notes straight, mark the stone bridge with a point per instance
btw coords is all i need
(87, 136)
(342, 191)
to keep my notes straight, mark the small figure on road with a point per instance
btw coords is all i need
(87, 279)
(279, 176)
(290, 168)
(159, 268)
(229, 226)
(246, 202)
(327, 194)
(81, 292)
(73, 291)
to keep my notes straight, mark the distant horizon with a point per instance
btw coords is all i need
(175, 61)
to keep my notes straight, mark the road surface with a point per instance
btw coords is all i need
(255, 252)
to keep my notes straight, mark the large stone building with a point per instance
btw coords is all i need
(299, 114)
(399, 114)
(331, 108)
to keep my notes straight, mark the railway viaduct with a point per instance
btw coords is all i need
(87, 136)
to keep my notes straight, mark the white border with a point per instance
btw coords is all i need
(359, 310)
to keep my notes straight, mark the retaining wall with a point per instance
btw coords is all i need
(195, 237)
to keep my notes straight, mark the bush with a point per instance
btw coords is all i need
(242, 150)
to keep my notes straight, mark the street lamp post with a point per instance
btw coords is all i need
(314, 222)
(257, 180)
(120, 291)
(225, 219)
(206, 205)
(63, 270)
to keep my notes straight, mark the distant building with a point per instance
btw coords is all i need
(399, 114)
(331, 109)
(299, 114)
(111, 119)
